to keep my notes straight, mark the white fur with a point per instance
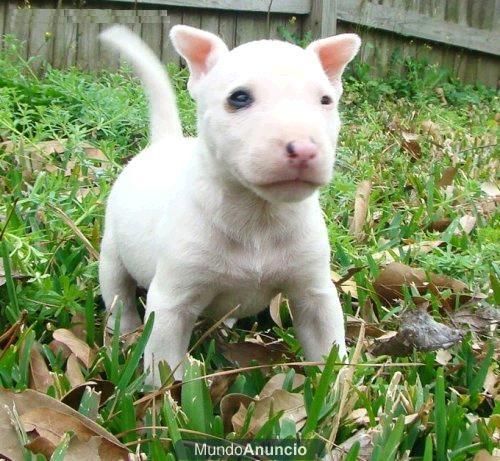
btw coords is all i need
(225, 219)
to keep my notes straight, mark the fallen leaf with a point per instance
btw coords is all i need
(59, 348)
(390, 255)
(42, 445)
(8, 336)
(353, 328)
(492, 382)
(81, 349)
(447, 176)
(433, 130)
(411, 144)
(418, 331)
(88, 450)
(248, 353)
(480, 320)
(466, 224)
(439, 225)
(14, 274)
(105, 389)
(365, 438)
(361, 202)
(292, 405)
(277, 381)
(443, 357)
(40, 376)
(274, 309)
(219, 387)
(78, 326)
(490, 189)
(484, 455)
(229, 406)
(391, 280)
(359, 417)
(347, 286)
(51, 419)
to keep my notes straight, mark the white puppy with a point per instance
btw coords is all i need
(231, 217)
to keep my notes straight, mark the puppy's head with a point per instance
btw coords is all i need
(268, 110)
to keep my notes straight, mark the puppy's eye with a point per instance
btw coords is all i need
(240, 99)
(326, 100)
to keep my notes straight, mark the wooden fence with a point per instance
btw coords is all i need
(462, 35)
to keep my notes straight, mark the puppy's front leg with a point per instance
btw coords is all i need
(318, 320)
(176, 311)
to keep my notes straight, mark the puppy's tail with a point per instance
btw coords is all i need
(163, 109)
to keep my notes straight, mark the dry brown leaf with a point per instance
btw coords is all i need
(433, 130)
(81, 349)
(353, 328)
(484, 455)
(361, 203)
(229, 406)
(219, 387)
(410, 144)
(443, 357)
(365, 437)
(104, 388)
(51, 419)
(274, 309)
(15, 275)
(492, 382)
(40, 376)
(418, 331)
(89, 450)
(292, 404)
(248, 353)
(42, 445)
(59, 348)
(78, 326)
(73, 371)
(391, 280)
(480, 320)
(491, 189)
(276, 383)
(439, 225)
(348, 286)
(466, 224)
(9, 335)
(447, 176)
(390, 255)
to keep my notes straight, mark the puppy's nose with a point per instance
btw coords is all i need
(300, 152)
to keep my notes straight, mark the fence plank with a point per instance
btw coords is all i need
(278, 6)
(210, 22)
(19, 25)
(418, 25)
(3, 17)
(244, 28)
(322, 20)
(168, 53)
(227, 29)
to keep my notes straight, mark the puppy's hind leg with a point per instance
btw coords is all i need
(117, 286)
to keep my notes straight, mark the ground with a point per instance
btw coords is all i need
(413, 223)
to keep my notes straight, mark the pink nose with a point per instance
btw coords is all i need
(300, 152)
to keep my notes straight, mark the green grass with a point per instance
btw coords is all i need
(51, 216)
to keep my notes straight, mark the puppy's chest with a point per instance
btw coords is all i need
(249, 278)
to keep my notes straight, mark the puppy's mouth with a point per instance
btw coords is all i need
(297, 182)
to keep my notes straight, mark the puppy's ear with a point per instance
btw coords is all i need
(335, 53)
(200, 49)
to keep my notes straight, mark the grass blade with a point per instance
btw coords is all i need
(440, 416)
(133, 361)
